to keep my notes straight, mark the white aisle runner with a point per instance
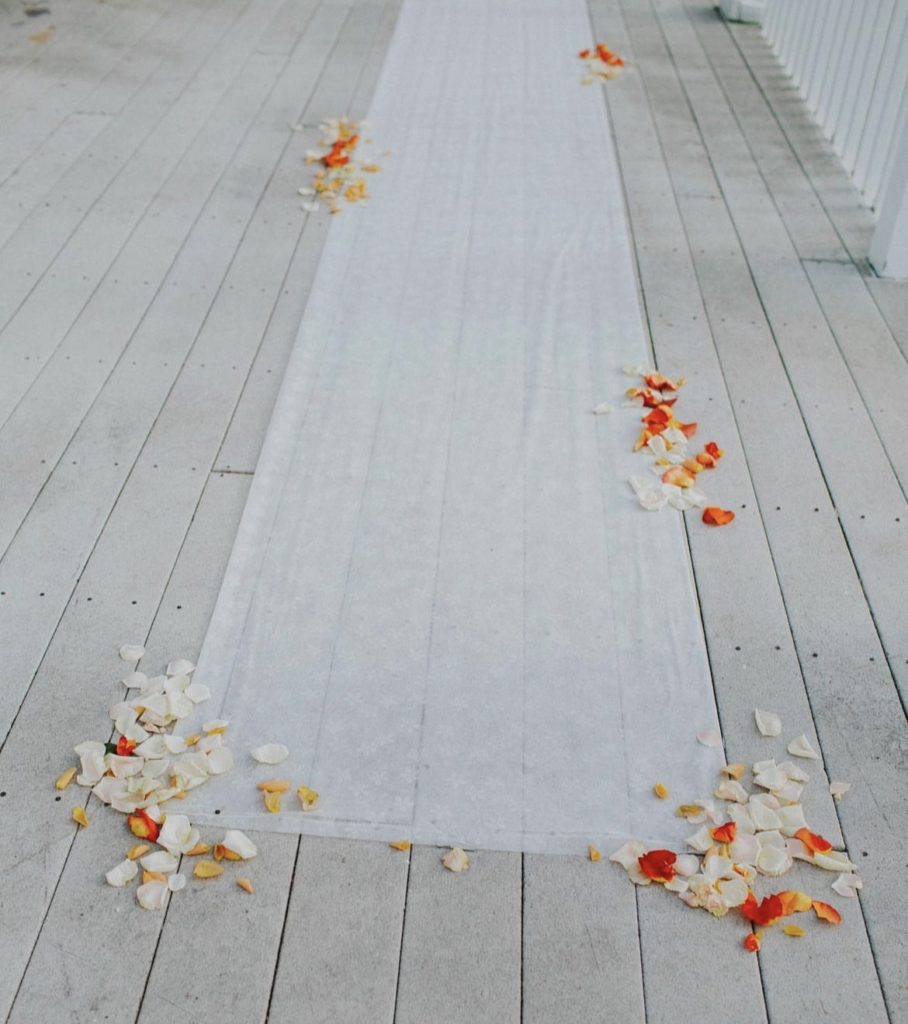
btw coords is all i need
(444, 598)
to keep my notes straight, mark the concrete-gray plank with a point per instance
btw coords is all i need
(341, 941)
(581, 957)
(461, 955)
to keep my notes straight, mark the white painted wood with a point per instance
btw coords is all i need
(340, 946)
(83, 913)
(889, 247)
(581, 957)
(461, 952)
(863, 126)
(891, 298)
(117, 305)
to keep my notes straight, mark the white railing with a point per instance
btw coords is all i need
(849, 60)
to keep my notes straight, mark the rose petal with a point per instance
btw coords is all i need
(456, 860)
(180, 667)
(161, 861)
(132, 652)
(152, 895)
(847, 886)
(839, 789)
(207, 869)
(768, 723)
(709, 738)
(239, 843)
(270, 753)
(122, 874)
(826, 912)
(800, 747)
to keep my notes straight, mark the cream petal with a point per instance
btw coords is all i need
(773, 861)
(176, 882)
(132, 652)
(701, 840)
(174, 744)
(833, 860)
(217, 723)
(687, 864)
(798, 850)
(744, 849)
(793, 772)
(177, 834)
(197, 692)
(763, 817)
(134, 680)
(270, 753)
(180, 667)
(792, 818)
(800, 747)
(603, 409)
(729, 789)
(628, 854)
(152, 895)
(220, 760)
(239, 843)
(122, 874)
(161, 860)
(847, 885)
(768, 722)
(839, 789)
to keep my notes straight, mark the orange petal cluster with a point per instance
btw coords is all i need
(340, 173)
(601, 63)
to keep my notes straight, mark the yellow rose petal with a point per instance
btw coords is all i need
(308, 798)
(661, 790)
(139, 850)
(80, 817)
(208, 869)
(273, 802)
(594, 853)
(245, 885)
(794, 931)
(401, 844)
(65, 779)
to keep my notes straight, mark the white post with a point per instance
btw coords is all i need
(889, 248)
(743, 10)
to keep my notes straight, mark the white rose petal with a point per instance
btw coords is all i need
(122, 874)
(833, 860)
(709, 738)
(839, 789)
(177, 835)
(239, 843)
(768, 723)
(792, 818)
(176, 882)
(773, 861)
(180, 667)
(701, 840)
(220, 760)
(603, 409)
(847, 885)
(800, 747)
(152, 895)
(729, 789)
(161, 860)
(197, 692)
(270, 753)
(132, 652)
(687, 864)
(135, 680)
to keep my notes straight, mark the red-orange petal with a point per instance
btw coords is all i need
(724, 833)
(142, 826)
(793, 901)
(715, 516)
(764, 913)
(678, 476)
(752, 942)
(815, 843)
(826, 912)
(661, 383)
(659, 865)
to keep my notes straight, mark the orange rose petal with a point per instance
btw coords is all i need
(153, 876)
(207, 869)
(198, 850)
(594, 854)
(794, 902)
(139, 850)
(142, 826)
(678, 476)
(752, 942)
(401, 844)
(826, 912)
(245, 885)
(815, 843)
(660, 383)
(724, 833)
(764, 913)
(735, 771)
(715, 516)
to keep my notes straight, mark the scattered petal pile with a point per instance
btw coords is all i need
(340, 175)
(601, 64)
(676, 467)
(145, 765)
(742, 835)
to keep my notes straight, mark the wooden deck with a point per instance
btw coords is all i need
(154, 265)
